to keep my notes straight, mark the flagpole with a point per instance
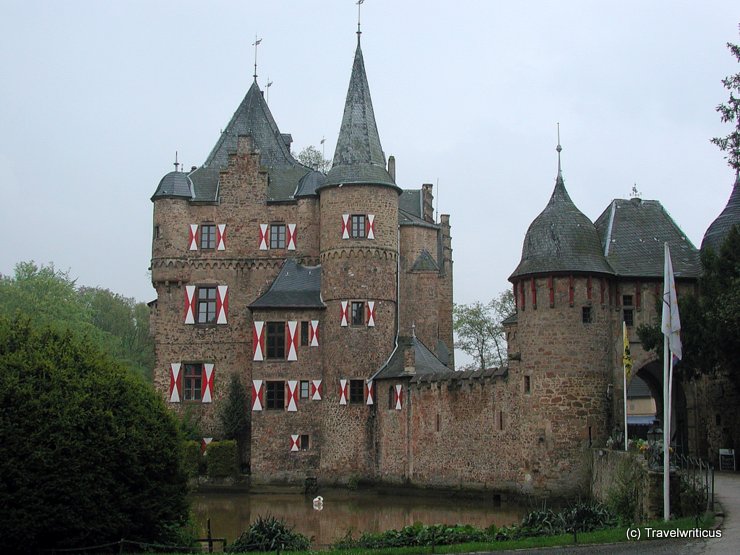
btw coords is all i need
(666, 433)
(624, 377)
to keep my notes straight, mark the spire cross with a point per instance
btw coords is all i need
(559, 148)
(359, 4)
(256, 43)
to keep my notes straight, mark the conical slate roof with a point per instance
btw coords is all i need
(561, 239)
(174, 184)
(359, 157)
(718, 230)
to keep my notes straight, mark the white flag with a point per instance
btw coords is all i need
(671, 323)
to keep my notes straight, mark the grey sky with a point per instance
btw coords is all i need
(95, 97)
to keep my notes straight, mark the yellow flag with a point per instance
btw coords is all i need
(626, 355)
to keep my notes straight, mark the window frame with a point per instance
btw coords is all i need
(305, 389)
(304, 442)
(275, 395)
(275, 341)
(357, 226)
(357, 319)
(207, 239)
(356, 392)
(278, 240)
(209, 303)
(587, 315)
(192, 376)
(304, 333)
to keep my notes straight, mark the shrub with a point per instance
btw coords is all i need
(623, 498)
(90, 452)
(222, 459)
(192, 458)
(269, 534)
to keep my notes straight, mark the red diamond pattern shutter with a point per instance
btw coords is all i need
(222, 303)
(264, 237)
(343, 393)
(175, 382)
(207, 383)
(316, 390)
(291, 339)
(398, 396)
(371, 314)
(370, 226)
(345, 314)
(257, 395)
(314, 333)
(190, 304)
(345, 226)
(290, 239)
(193, 240)
(221, 237)
(258, 341)
(369, 392)
(204, 443)
(294, 442)
(291, 397)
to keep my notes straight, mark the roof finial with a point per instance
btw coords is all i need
(255, 44)
(413, 329)
(267, 88)
(559, 148)
(359, 3)
(176, 164)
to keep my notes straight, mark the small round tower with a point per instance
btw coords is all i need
(719, 229)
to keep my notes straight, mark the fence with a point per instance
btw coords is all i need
(698, 475)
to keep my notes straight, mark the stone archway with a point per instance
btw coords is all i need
(652, 375)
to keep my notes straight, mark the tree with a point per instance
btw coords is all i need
(90, 454)
(730, 113)
(314, 159)
(233, 411)
(479, 331)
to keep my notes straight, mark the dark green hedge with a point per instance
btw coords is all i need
(222, 459)
(193, 458)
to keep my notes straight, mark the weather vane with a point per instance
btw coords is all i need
(359, 4)
(559, 148)
(256, 44)
(267, 88)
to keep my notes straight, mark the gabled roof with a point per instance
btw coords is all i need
(561, 239)
(296, 286)
(253, 118)
(425, 361)
(358, 157)
(632, 234)
(718, 230)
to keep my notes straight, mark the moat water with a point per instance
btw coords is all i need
(343, 510)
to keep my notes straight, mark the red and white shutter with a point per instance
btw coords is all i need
(222, 303)
(294, 442)
(313, 334)
(207, 383)
(291, 339)
(190, 304)
(257, 395)
(264, 237)
(316, 390)
(343, 392)
(370, 226)
(193, 240)
(290, 239)
(345, 226)
(204, 443)
(369, 393)
(371, 314)
(258, 341)
(175, 382)
(221, 237)
(398, 396)
(291, 397)
(345, 314)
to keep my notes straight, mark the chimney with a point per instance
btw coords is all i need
(427, 202)
(392, 167)
(287, 139)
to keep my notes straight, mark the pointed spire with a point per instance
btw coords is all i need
(359, 32)
(359, 157)
(559, 149)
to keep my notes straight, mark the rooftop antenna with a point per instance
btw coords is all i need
(359, 4)
(436, 214)
(267, 88)
(176, 164)
(323, 148)
(559, 149)
(255, 44)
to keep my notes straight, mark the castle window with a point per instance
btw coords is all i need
(391, 398)
(304, 389)
(356, 392)
(275, 340)
(191, 382)
(156, 232)
(275, 395)
(527, 384)
(277, 236)
(206, 305)
(304, 334)
(357, 228)
(628, 311)
(586, 316)
(358, 313)
(208, 236)
(303, 444)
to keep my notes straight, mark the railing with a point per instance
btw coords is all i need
(696, 474)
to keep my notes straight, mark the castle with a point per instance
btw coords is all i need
(330, 297)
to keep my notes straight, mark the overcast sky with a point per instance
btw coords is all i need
(95, 97)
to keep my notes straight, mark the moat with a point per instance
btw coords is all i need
(359, 511)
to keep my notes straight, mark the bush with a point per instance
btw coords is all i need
(90, 453)
(222, 459)
(269, 534)
(193, 458)
(623, 498)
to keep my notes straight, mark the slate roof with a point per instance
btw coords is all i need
(718, 230)
(424, 263)
(410, 202)
(252, 118)
(296, 286)
(174, 184)
(632, 234)
(425, 361)
(561, 239)
(358, 157)
(458, 377)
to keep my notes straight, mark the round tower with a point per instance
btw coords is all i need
(719, 229)
(359, 257)
(563, 373)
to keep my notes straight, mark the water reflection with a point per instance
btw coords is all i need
(360, 511)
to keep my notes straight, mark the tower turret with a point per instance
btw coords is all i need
(720, 227)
